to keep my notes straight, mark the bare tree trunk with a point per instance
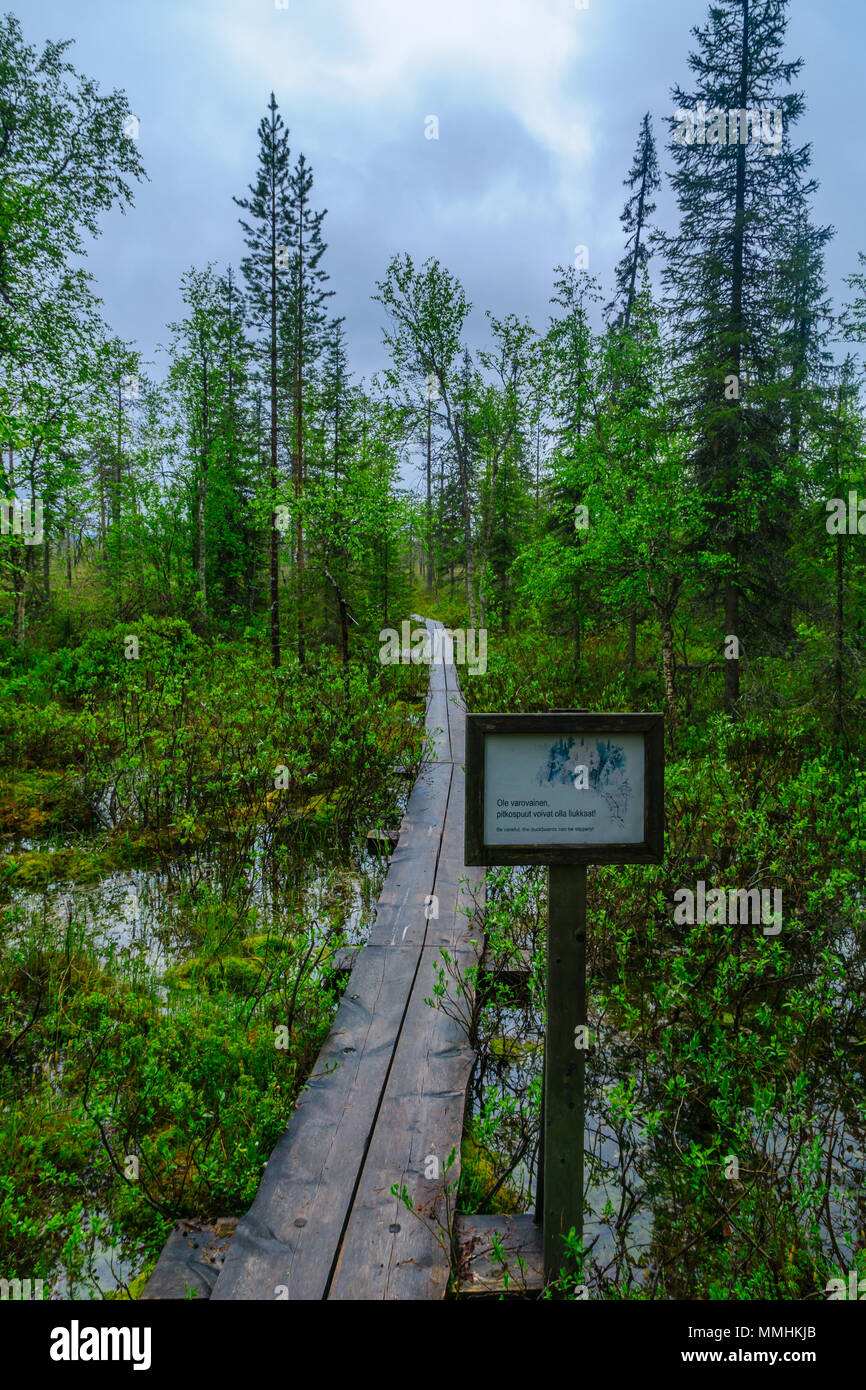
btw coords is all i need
(732, 605)
(20, 563)
(467, 542)
(732, 626)
(274, 537)
(838, 671)
(465, 512)
(344, 623)
(441, 509)
(202, 500)
(429, 496)
(486, 537)
(117, 502)
(46, 560)
(299, 409)
(67, 537)
(537, 465)
(668, 665)
(18, 558)
(631, 659)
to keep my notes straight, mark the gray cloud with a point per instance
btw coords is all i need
(538, 106)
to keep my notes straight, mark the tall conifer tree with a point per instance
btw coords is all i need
(643, 180)
(305, 334)
(734, 176)
(265, 269)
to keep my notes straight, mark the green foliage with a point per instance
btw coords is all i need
(190, 678)
(709, 1041)
(198, 1092)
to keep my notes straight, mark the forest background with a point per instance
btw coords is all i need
(652, 500)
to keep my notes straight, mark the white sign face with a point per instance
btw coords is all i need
(554, 789)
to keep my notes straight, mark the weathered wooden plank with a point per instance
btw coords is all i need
(437, 725)
(342, 962)
(191, 1259)
(437, 697)
(513, 970)
(456, 717)
(456, 905)
(401, 910)
(459, 888)
(426, 806)
(288, 1239)
(458, 743)
(387, 1252)
(499, 1254)
(438, 721)
(382, 839)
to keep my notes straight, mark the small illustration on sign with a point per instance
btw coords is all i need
(599, 767)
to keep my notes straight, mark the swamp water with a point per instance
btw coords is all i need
(137, 923)
(629, 1205)
(136, 920)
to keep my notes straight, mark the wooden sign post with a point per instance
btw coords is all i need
(564, 789)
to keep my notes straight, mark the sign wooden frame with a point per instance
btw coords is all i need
(577, 722)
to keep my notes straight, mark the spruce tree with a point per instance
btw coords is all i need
(803, 312)
(304, 333)
(571, 351)
(338, 411)
(838, 448)
(335, 396)
(643, 180)
(237, 534)
(721, 264)
(265, 268)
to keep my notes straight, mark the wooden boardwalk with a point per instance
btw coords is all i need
(388, 1090)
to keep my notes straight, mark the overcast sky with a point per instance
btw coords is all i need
(538, 104)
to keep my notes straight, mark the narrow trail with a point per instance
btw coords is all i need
(388, 1089)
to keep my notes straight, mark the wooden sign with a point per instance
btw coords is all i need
(564, 788)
